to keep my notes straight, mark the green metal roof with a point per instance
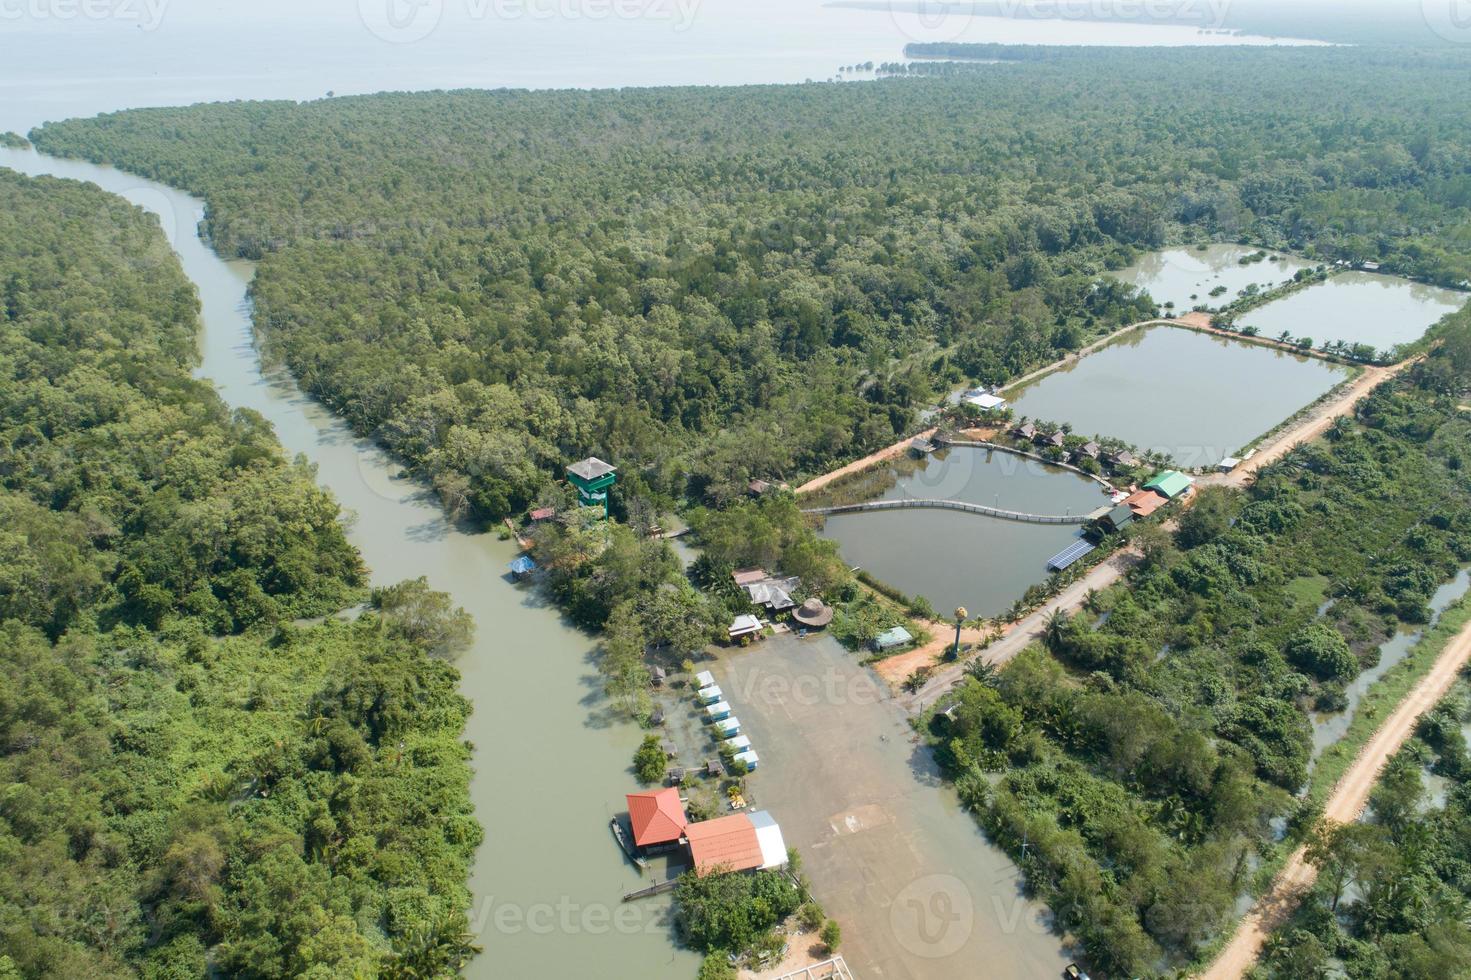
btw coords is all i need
(1171, 483)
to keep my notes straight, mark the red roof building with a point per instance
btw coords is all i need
(657, 817)
(1144, 502)
(726, 843)
(543, 514)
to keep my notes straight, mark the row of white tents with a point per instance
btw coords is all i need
(727, 725)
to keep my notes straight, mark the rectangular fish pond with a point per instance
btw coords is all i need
(1357, 308)
(1195, 397)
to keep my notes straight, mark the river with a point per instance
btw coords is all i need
(552, 763)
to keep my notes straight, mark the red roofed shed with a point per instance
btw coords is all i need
(727, 843)
(657, 817)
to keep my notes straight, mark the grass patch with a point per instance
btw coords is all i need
(1383, 697)
(1308, 591)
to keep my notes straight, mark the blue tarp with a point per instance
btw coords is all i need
(523, 565)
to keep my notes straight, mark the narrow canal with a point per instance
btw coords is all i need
(552, 761)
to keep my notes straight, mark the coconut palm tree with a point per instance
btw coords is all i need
(1054, 629)
(982, 670)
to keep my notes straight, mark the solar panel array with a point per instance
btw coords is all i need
(1069, 555)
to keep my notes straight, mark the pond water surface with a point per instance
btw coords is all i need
(953, 558)
(1358, 308)
(1195, 397)
(1187, 276)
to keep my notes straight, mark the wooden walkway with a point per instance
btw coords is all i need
(833, 969)
(940, 504)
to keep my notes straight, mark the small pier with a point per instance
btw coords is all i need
(833, 969)
(521, 540)
(658, 888)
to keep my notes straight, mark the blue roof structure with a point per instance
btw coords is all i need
(1069, 555)
(523, 565)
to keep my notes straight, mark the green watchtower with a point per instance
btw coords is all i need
(593, 478)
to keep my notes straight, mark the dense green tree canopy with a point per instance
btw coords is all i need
(706, 285)
(1143, 754)
(189, 781)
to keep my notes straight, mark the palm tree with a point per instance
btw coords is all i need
(1339, 428)
(982, 670)
(1054, 629)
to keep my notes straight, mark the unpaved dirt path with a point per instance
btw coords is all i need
(1018, 636)
(859, 465)
(1344, 805)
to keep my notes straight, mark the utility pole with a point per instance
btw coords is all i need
(960, 616)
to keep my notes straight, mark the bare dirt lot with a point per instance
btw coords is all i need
(919, 892)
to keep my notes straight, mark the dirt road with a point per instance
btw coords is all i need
(1018, 636)
(1346, 802)
(859, 465)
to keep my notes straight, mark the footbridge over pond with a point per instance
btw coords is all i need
(961, 505)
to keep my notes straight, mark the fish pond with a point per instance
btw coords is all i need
(1357, 308)
(1195, 397)
(1208, 275)
(953, 558)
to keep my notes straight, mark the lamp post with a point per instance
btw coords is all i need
(960, 616)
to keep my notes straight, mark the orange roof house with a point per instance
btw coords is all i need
(657, 817)
(726, 843)
(1145, 502)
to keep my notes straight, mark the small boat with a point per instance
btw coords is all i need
(621, 836)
